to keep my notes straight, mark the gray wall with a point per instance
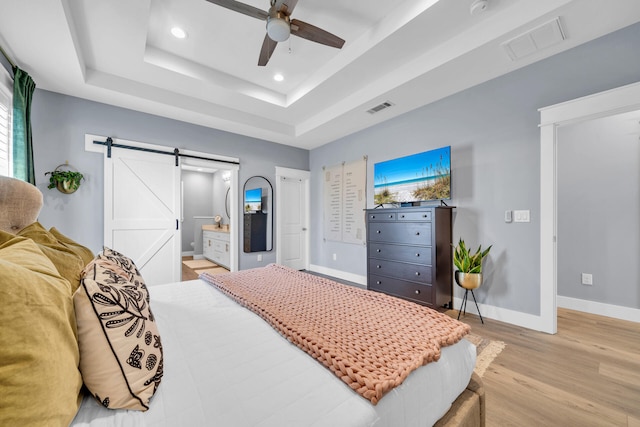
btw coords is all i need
(60, 123)
(599, 209)
(493, 132)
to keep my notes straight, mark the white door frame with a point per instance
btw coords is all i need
(208, 161)
(614, 101)
(304, 176)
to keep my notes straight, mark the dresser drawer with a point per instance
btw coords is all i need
(415, 254)
(403, 289)
(401, 270)
(410, 233)
(414, 216)
(382, 216)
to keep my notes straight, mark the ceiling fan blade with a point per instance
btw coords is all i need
(268, 46)
(245, 9)
(315, 34)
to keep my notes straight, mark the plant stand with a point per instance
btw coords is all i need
(464, 304)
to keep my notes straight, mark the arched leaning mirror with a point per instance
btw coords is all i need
(258, 215)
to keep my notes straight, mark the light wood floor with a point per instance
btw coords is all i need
(588, 374)
(189, 273)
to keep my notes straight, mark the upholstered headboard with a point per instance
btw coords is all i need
(20, 204)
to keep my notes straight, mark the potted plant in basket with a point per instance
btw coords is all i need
(65, 181)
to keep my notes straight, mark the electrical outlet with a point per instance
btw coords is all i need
(259, 257)
(335, 257)
(587, 279)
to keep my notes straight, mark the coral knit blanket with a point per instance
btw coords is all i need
(370, 340)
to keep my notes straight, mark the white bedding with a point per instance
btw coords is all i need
(224, 366)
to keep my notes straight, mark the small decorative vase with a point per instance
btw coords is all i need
(468, 280)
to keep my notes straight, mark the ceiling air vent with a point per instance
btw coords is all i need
(380, 107)
(542, 37)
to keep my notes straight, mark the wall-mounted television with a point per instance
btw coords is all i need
(253, 200)
(420, 177)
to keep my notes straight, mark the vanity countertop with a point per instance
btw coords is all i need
(213, 227)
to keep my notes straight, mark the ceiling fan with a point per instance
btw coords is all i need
(280, 26)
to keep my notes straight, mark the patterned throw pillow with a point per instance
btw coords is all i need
(120, 349)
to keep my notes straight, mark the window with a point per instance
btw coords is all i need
(6, 109)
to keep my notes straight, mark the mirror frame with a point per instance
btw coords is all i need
(269, 211)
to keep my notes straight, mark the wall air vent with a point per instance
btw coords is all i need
(542, 37)
(380, 107)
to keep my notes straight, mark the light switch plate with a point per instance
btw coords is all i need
(522, 216)
(507, 216)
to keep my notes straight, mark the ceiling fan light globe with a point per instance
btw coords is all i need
(278, 29)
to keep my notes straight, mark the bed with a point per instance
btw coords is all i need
(220, 362)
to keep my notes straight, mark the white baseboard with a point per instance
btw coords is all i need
(350, 277)
(187, 253)
(526, 320)
(599, 308)
(529, 321)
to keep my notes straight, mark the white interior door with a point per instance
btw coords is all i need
(142, 208)
(292, 213)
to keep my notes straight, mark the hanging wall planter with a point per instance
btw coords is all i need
(66, 181)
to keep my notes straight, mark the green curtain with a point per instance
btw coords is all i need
(23, 87)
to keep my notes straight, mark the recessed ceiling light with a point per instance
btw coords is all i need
(278, 77)
(178, 33)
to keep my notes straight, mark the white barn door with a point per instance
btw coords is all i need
(142, 208)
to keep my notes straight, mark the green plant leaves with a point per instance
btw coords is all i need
(467, 262)
(72, 179)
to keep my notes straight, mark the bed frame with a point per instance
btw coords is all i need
(468, 410)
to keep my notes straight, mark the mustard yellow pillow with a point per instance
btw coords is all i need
(39, 377)
(120, 350)
(68, 264)
(82, 251)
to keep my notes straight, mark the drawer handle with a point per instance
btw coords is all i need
(378, 282)
(417, 273)
(390, 216)
(417, 254)
(417, 233)
(378, 266)
(417, 291)
(425, 216)
(373, 217)
(378, 231)
(402, 216)
(378, 250)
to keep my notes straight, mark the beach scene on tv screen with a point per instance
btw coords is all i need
(253, 200)
(418, 177)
